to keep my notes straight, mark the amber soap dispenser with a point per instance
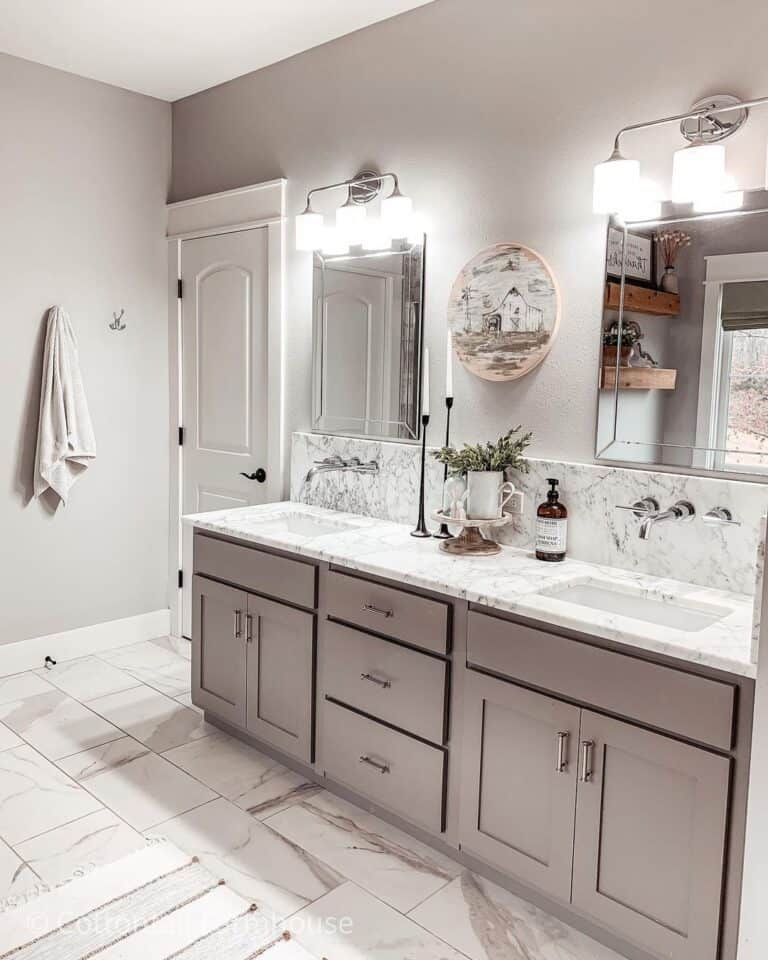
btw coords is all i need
(551, 526)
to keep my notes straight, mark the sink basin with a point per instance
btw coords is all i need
(623, 601)
(305, 526)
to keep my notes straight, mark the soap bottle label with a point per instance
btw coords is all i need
(551, 535)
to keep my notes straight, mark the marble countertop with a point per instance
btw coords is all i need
(513, 580)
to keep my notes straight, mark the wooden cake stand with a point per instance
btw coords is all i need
(471, 542)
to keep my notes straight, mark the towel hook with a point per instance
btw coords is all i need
(116, 321)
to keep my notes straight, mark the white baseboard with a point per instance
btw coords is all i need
(30, 654)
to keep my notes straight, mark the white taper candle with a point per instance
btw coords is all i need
(449, 366)
(425, 385)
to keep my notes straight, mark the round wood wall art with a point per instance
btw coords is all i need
(504, 312)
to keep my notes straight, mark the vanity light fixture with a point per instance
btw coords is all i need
(698, 170)
(353, 227)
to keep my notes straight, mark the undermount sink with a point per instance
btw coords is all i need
(623, 601)
(305, 526)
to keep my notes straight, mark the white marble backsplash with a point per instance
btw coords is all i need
(712, 556)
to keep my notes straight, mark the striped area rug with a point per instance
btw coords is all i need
(157, 904)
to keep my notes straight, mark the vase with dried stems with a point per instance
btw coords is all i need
(669, 243)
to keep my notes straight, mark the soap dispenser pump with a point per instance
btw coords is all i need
(551, 526)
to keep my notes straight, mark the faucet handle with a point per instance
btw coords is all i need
(641, 508)
(720, 517)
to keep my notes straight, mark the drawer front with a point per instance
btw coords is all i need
(398, 772)
(256, 570)
(404, 616)
(693, 707)
(401, 686)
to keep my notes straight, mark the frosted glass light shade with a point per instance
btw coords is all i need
(375, 237)
(615, 184)
(309, 230)
(350, 222)
(333, 243)
(396, 214)
(698, 171)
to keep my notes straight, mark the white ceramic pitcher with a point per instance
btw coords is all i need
(487, 494)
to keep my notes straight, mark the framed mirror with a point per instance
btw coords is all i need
(683, 375)
(367, 340)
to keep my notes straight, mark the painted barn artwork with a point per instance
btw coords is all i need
(504, 312)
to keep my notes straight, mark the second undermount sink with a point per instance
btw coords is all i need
(624, 601)
(303, 525)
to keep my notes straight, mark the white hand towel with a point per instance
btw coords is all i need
(65, 441)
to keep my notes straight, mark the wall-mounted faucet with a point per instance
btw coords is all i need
(648, 512)
(353, 465)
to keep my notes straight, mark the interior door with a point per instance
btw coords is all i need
(519, 782)
(651, 820)
(224, 379)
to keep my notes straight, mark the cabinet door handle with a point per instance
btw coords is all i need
(562, 751)
(371, 608)
(249, 628)
(381, 767)
(238, 624)
(384, 684)
(586, 760)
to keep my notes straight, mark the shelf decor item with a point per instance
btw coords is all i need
(669, 244)
(504, 312)
(470, 542)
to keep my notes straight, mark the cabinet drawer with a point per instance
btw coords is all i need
(398, 772)
(404, 616)
(693, 707)
(401, 686)
(257, 570)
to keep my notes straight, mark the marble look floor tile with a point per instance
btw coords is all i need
(350, 924)
(178, 645)
(8, 738)
(252, 780)
(79, 847)
(35, 796)
(186, 700)
(56, 725)
(256, 862)
(488, 923)
(158, 666)
(88, 678)
(147, 791)
(156, 720)
(16, 878)
(109, 756)
(382, 859)
(20, 686)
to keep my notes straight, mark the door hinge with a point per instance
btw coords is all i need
(179, 288)
(181, 436)
(181, 579)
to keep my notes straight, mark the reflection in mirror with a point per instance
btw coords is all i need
(684, 341)
(367, 343)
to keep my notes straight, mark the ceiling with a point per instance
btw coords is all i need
(172, 48)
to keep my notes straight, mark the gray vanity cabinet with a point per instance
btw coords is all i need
(280, 671)
(519, 782)
(650, 836)
(219, 650)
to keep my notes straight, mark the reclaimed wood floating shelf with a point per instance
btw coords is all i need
(638, 378)
(656, 303)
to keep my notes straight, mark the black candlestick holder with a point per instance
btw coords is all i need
(444, 533)
(421, 526)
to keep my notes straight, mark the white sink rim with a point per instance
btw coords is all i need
(296, 523)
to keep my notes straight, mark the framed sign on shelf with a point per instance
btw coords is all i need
(639, 264)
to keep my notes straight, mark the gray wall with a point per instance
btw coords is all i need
(493, 113)
(84, 170)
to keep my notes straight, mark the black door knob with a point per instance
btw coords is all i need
(259, 475)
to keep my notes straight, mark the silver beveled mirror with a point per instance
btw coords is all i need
(368, 316)
(683, 375)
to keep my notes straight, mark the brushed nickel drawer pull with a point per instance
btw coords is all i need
(384, 684)
(249, 628)
(381, 767)
(562, 751)
(238, 625)
(372, 608)
(586, 760)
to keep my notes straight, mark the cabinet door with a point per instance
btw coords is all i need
(519, 782)
(218, 649)
(281, 663)
(650, 837)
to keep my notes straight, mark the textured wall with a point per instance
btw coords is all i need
(84, 171)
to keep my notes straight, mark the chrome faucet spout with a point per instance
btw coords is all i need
(682, 510)
(353, 465)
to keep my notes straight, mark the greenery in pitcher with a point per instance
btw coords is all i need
(505, 454)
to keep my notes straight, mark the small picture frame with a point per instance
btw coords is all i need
(640, 267)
